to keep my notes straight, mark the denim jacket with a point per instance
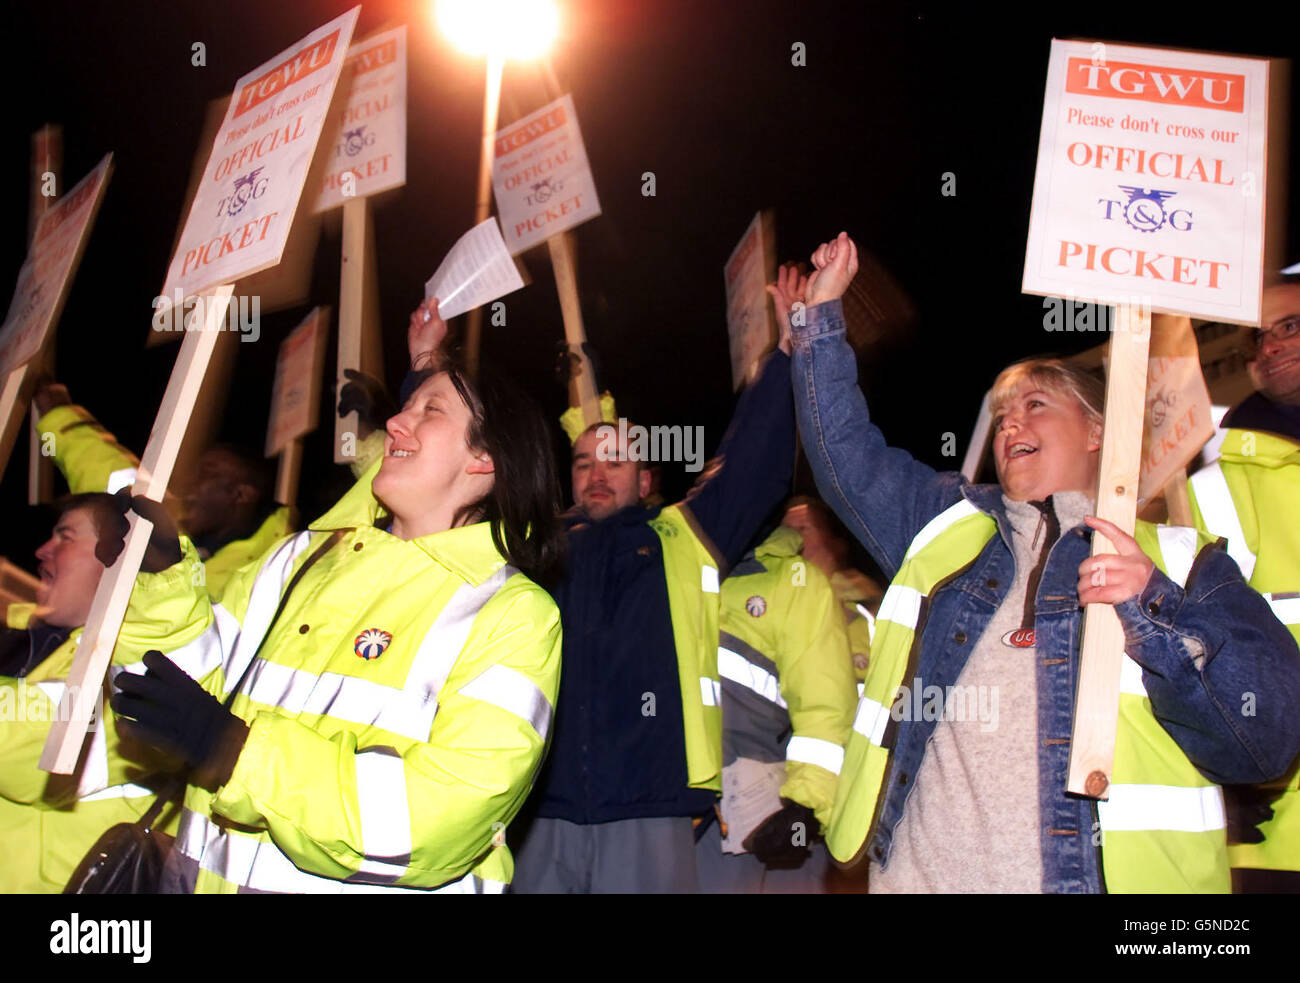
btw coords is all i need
(1210, 654)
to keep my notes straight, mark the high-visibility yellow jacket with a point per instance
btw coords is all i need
(398, 712)
(92, 460)
(787, 680)
(1162, 830)
(49, 822)
(1250, 497)
(691, 575)
(860, 598)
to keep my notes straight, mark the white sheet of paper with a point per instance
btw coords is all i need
(751, 791)
(476, 271)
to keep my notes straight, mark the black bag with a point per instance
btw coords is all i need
(129, 857)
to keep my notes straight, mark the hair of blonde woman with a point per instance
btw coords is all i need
(1051, 375)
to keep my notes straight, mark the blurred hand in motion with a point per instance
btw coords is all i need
(790, 288)
(49, 394)
(369, 398)
(837, 264)
(425, 333)
(164, 549)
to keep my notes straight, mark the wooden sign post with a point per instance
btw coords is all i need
(47, 179)
(63, 746)
(359, 344)
(582, 378)
(1096, 708)
(496, 65)
(1110, 223)
(238, 224)
(533, 211)
(295, 399)
(365, 155)
(42, 288)
(979, 440)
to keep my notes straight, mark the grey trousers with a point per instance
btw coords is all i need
(743, 873)
(630, 856)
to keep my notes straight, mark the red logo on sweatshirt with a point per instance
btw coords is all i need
(1021, 638)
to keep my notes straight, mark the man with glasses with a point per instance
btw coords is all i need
(1251, 496)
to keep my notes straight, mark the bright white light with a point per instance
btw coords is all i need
(512, 28)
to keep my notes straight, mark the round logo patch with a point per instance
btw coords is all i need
(370, 644)
(1021, 638)
(756, 606)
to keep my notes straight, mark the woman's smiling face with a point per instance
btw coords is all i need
(1044, 442)
(429, 471)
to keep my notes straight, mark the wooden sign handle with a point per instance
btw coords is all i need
(107, 610)
(1101, 654)
(358, 314)
(582, 381)
(979, 440)
(287, 472)
(1177, 502)
(47, 158)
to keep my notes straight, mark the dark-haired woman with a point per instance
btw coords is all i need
(397, 709)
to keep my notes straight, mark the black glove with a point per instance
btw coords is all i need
(781, 840)
(176, 715)
(164, 549)
(368, 397)
(1248, 806)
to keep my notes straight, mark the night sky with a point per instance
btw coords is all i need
(701, 93)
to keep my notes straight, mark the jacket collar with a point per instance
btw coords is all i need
(1258, 412)
(466, 551)
(784, 541)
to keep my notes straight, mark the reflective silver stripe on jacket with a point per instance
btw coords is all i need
(871, 720)
(936, 526)
(251, 863)
(710, 691)
(127, 791)
(735, 667)
(1215, 502)
(385, 815)
(1178, 550)
(262, 603)
(901, 605)
(513, 692)
(1130, 677)
(408, 711)
(1168, 807)
(815, 751)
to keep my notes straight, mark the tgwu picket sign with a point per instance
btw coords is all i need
(239, 221)
(541, 177)
(365, 143)
(1151, 180)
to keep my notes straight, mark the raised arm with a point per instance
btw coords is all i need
(882, 494)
